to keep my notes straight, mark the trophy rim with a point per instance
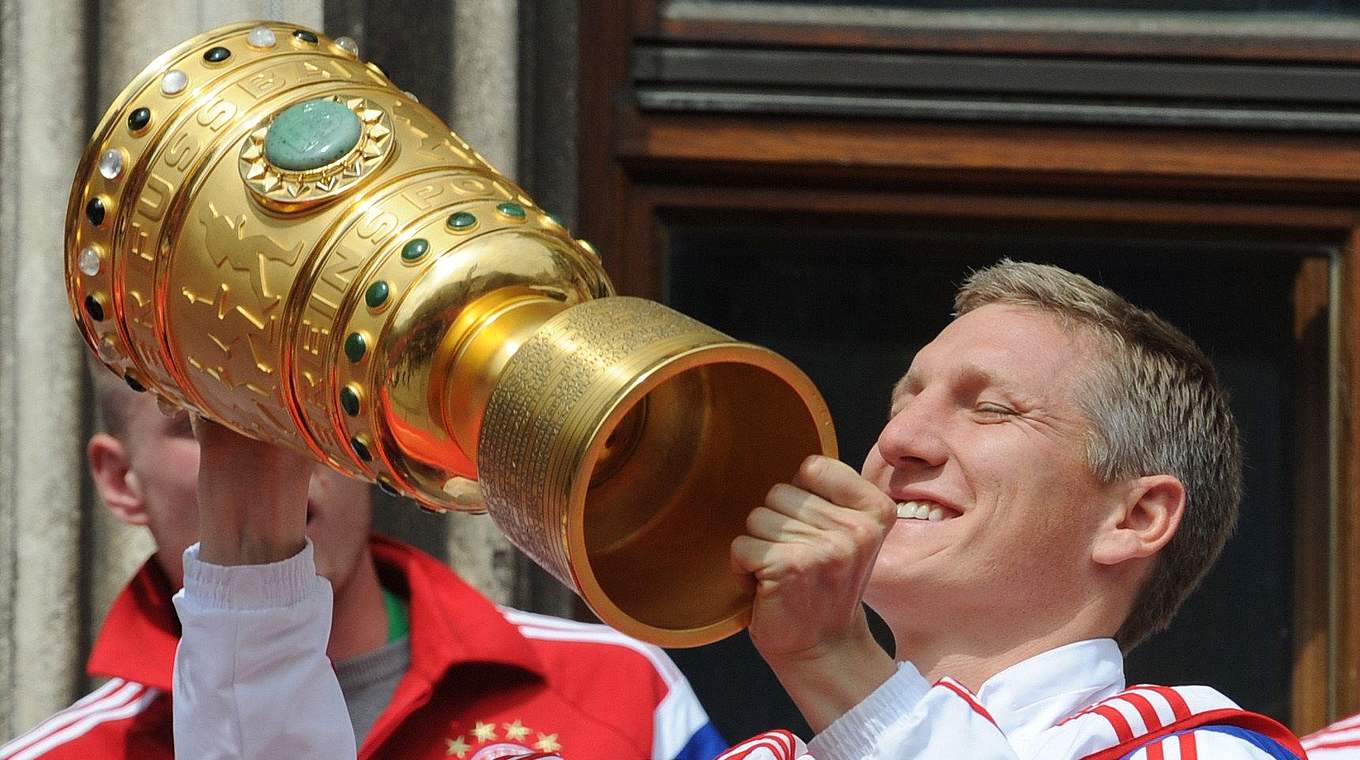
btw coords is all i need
(582, 574)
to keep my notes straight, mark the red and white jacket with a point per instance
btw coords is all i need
(1069, 703)
(484, 682)
(1339, 741)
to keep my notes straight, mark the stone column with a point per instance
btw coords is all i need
(60, 559)
(485, 112)
(41, 134)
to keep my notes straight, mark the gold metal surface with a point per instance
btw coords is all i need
(407, 315)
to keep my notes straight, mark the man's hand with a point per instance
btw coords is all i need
(809, 552)
(252, 498)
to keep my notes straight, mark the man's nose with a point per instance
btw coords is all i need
(914, 434)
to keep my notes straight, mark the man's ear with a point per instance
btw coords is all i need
(118, 486)
(1146, 519)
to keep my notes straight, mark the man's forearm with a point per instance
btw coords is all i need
(252, 498)
(826, 683)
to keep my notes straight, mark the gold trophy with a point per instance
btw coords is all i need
(268, 232)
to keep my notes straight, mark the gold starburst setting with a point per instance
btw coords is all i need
(285, 190)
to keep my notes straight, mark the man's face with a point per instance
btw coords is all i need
(986, 432)
(161, 458)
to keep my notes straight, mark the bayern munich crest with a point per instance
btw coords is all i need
(492, 741)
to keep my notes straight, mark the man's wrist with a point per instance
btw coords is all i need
(826, 680)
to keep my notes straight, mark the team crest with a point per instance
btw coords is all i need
(493, 741)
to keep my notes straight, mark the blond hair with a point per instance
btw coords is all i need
(1154, 406)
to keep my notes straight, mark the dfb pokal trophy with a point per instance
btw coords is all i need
(266, 231)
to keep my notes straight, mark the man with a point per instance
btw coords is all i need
(426, 666)
(1058, 471)
(1339, 741)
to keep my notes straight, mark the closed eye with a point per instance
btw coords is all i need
(992, 411)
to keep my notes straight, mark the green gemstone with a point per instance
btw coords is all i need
(413, 250)
(462, 221)
(355, 347)
(349, 400)
(376, 295)
(512, 210)
(311, 134)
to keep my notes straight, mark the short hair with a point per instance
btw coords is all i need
(112, 397)
(1154, 406)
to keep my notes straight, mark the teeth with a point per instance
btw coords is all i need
(919, 510)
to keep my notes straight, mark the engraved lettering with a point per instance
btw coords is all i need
(472, 186)
(377, 225)
(423, 197)
(325, 308)
(309, 72)
(217, 114)
(313, 338)
(181, 151)
(154, 197)
(138, 240)
(263, 83)
(339, 278)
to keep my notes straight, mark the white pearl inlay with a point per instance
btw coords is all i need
(174, 82)
(111, 163)
(89, 261)
(261, 37)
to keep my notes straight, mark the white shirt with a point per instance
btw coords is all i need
(1339, 741)
(1067, 703)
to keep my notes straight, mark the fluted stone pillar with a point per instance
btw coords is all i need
(61, 560)
(41, 411)
(484, 110)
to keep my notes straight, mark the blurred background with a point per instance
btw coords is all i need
(815, 176)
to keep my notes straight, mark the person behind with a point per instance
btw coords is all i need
(1339, 741)
(426, 667)
(1058, 471)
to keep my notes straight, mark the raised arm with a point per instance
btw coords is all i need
(251, 675)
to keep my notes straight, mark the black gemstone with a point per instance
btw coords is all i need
(94, 309)
(94, 211)
(133, 384)
(349, 400)
(361, 449)
(355, 347)
(139, 118)
(216, 55)
(305, 36)
(388, 488)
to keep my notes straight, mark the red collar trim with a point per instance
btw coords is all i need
(1261, 724)
(139, 636)
(451, 623)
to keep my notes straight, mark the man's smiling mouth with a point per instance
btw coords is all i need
(924, 510)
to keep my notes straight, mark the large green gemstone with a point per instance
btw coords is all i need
(311, 134)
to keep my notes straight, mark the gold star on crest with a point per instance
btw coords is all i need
(484, 734)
